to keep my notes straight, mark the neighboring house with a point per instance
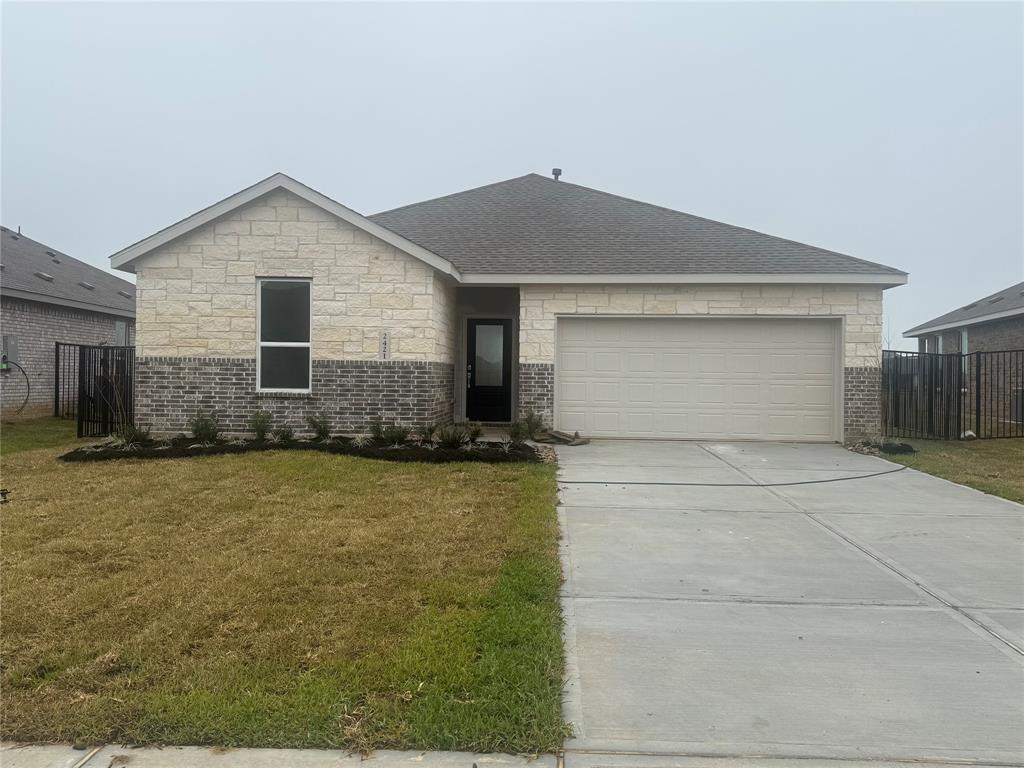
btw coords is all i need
(47, 296)
(991, 324)
(604, 315)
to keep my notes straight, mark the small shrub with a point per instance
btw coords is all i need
(394, 435)
(131, 435)
(474, 433)
(259, 424)
(532, 424)
(451, 437)
(283, 434)
(517, 432)
(320, 425)
(425, 433)
(205, 427)
(360, 441)
(376, 429)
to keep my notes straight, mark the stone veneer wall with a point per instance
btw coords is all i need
(196, 296)
(38, 326)
(196, 335)
(860, 308)
(170, 390)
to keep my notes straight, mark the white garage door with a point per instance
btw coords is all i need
(758, 379)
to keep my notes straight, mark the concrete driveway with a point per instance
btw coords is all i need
(874, 619)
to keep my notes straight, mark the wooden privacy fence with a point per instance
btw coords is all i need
(942, 397)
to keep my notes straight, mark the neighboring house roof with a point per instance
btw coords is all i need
(1005, 303)
(538, 226)
(534, 229)
(34, 271)
(124, 258)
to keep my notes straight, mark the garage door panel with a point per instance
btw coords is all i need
(607, 362)
(674, 362)
(573, 362)
(763, 378)
(572, 392)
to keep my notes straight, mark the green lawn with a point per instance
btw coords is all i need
(280, 599)
(992, 466)
(17, 436)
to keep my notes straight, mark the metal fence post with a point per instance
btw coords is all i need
(977, 394)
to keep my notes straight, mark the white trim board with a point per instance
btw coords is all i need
(886, 279)
(124, 258)
(925, 330)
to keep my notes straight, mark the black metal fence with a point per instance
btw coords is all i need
(943, 397)
(65, 380)
(94, 385)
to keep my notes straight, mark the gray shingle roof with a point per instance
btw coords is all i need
(36, 271)
(533, 224)
(1005, 301)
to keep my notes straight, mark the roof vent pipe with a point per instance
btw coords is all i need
(556, 172)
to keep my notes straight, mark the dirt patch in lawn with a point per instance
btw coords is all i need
(281, 598)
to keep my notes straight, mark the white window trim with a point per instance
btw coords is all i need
(939, 343)
(963, 342)
(259, 334)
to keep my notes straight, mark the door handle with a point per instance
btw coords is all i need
(469, 376)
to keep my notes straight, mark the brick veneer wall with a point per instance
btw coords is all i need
(995, 336)
(537, 391)
(37, 327)
(170, 390)
(860, 308)
(862, 402)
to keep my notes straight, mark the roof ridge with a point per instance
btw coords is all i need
(452, 194)
(724, 224)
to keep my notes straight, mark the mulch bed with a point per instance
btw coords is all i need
(181, 447)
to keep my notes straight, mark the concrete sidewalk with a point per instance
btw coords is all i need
(62, 756)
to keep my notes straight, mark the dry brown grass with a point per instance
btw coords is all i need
(280, 599)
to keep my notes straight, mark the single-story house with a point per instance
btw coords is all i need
(991, 324)
(604, 315)
(47, 296)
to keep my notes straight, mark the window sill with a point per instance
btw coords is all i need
(270, 394)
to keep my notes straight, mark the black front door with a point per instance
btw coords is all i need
(489, 370)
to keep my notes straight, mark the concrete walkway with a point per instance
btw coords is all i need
(875, 619)
(60, 756)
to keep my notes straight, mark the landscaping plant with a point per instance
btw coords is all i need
(451, 437)
(376, 429)
(532, 424)
(425, 433)
(394, 435)
(259, 424)
(131, 435)
(474, 434)
(320, 425)
(205, 427)
(283, 434)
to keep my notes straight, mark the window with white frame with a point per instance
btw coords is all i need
(283, 321)
(963, 341)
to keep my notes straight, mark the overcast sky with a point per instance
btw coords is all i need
(892, 132)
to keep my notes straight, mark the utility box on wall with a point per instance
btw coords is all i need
(9, 353)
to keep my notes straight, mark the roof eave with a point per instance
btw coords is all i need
(885, 280)
(43, 298)
(921, 330)
(125, 258)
